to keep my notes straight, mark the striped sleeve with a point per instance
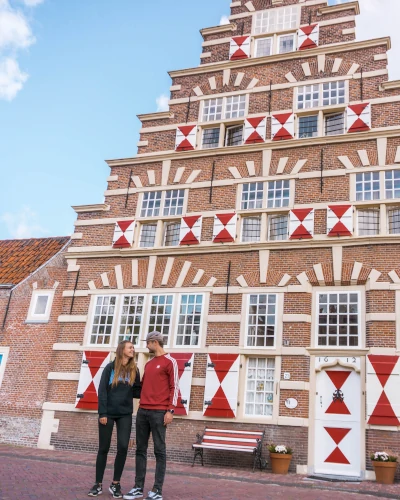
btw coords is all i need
(173, 382)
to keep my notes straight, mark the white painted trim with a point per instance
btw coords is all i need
(62, 376)
(142, 144)
(185, 269)
(381, 57)
(66, 346)
(198, 382)
(224, 318)
(5, 351)
(70, 318)
(77, 293)
(167, 270)
(205, 55)
(296, 318)
(76, 236)
(151, 270)
(48, 426)
(294, 385)
(380, 317)
(293, 421)
(45, 317)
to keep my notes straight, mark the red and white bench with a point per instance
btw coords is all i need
(220, 439)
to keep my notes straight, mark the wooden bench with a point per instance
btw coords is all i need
(220, 439)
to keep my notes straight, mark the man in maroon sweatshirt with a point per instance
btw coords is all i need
(159, 397)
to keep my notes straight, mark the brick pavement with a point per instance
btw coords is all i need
(30, 474)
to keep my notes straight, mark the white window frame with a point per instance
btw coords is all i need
(392, 188)
(282, 199)
(372, 181)
(272, 216)
(254, 215)
(302, 117)
(320, 96)
(330, 98)
(166, 223)
(242, 192)
(40, 318)
(366, 208)
(261, 39)
(202, 316)
(275, 398)
(162, 205)
(203, 130)
(157, 194)
(360, 291)
(270, 12)
(278, 48)
(119, 316)
(4, 352)
(171, 325)
(177, 207)
(327, 115)
(277, 313)
(223, 115)
(154, 224)
(390, 209)
(216, 99)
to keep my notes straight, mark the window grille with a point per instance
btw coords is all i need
(260, 386)
(261, 320)
(172, 233)
(392, 184)
(278, 227)
(151, 204)
(252, 195)
(334, 124)
(210, 138)
(286, 44)
(251, 230)
(103, 319)
(333, 93)
(308, 96)
(173, 203)
(131, 318)
(212, 109)
(189, 320)
(368, 222)
(263, 47)
(148, 235)
(235, 106)
(278, 194)
(394, 220)
(269, 21)
(160, 315)
(367, 186)
(308, 126)
(234, 136)
(338, 319)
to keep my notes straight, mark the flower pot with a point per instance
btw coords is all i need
(385, 471)
(280, 462)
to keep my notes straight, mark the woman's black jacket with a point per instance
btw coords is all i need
(117, 401)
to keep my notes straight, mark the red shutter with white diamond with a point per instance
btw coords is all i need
(301, 223)
(282, 127)
(93, 364)
(123, 234)
(224, 228)
(186, 138)
(340, 220)
(190, 233)
(383, 390)
(185, 370)
(255, 130)
(309, 37)
(358, 118)
(222, 381)
(240, 48)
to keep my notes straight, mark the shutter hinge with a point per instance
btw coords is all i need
(188, 364)
(210, 365)
(79, 396)
(85, 362)
(184, 401)
(207, 403)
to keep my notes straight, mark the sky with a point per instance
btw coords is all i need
(73, 76)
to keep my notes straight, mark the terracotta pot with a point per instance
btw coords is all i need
(385, 471)
(280, 462)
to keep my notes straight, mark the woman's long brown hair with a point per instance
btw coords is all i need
(127, 371)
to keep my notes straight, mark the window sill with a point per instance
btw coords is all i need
(36, 321)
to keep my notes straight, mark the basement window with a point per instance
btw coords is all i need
(40, 306)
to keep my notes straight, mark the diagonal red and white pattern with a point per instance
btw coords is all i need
(240, 48)
(123, 234)
(309, 37)
(383, 390)
(185, 370)
(224, 228)
(220, 395)
(186, 138)
(340, 220)
(359, 117)
(93, 364)
(255, 130)
(282, 127)
(338, 379)
(190, 232)
(336, 456)
(301, 223)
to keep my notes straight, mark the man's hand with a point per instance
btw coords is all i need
(103, 420)
(168, 417)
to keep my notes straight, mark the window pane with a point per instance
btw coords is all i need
(189, 320)
(252, 195)
(261, 321)
(260, 386)
(212, 110)
(269, 21)
(131, 318)
(160, 315)
(278, 194)
(41, 304)
(172, 232)
(286, 44)
(151, 204)
(278, 227)
(308, 97)
(264, 47)
(174, 202)
(368, 222)
(334, 124)
(235, 106)
(394, 220)
(339, 327)
(251, 229)
(392, 184)
(234, 136)
(103, 320)
(333, 93)
(308, 126)
(367, 186)
(148, 235)
(210, 138)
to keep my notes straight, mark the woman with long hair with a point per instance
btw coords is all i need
(119, 384)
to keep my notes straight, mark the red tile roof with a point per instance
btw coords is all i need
(20, 258)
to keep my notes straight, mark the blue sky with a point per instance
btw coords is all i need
(73, 76)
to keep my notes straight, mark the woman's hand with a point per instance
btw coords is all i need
(103, 420)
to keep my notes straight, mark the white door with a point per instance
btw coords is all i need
(338, 422)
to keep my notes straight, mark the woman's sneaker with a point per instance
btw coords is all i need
(115, 490)
(96, 490)
(154, 494)
(134, 493)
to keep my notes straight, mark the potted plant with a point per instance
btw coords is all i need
(281, 457)
(385, 467)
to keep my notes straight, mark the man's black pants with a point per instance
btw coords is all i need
(150, 421)
(124, 426)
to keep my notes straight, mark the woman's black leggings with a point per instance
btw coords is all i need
(124, 426)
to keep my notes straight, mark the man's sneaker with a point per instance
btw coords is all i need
(115, 490)
(96, 490)
(134, 493)
(154, 495)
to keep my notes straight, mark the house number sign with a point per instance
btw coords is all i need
(291, 403)
(351, 361)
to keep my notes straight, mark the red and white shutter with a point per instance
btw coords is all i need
(309, 37)
(185, 369)
(224, 228)
(358, 118)
(340, 220)
(383, 390)
(222, 381)
(240, 48)
(301, 224)
(190, 233)
(93, 364)
(255, 130)
(186, 138)
(123, 234)
(282, 127)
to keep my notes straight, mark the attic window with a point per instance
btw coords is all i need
(40, 306)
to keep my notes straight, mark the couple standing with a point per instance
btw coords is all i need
(158, 394)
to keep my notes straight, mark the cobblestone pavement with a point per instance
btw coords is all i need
(29, 474)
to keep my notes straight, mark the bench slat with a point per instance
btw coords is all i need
(225, 447)
(230, 438)
(254, 433)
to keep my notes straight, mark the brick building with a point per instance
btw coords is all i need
(33, 274)
(258, 228)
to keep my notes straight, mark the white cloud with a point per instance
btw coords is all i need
(15, 32)
(162, 103)
(224, 20)
(12, 79)
(23, 224)
(33, 3)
